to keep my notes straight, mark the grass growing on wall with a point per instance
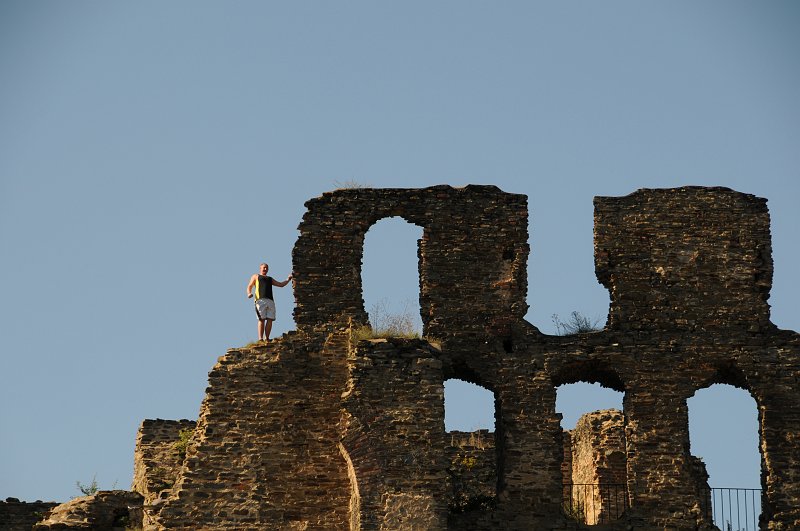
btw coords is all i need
(385, 324)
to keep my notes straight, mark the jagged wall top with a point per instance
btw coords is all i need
(472, 255)
(691, 258)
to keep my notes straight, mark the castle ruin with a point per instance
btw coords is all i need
(318, 431)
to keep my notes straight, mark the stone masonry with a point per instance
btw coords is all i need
(160, 451)
(18, 515)
(595, 468)
(111, 510)
(319, 431)
(472, 473)
(596, 484)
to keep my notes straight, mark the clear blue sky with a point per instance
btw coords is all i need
(152, 154)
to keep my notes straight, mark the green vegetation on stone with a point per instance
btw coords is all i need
(384, 324)
(182, 443)
(90, 489)
(577, 323)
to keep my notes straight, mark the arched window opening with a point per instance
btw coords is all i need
(469, 418)
(723, 436)
(390, 277)
(594, 468)
(562, 276)
(576, 399)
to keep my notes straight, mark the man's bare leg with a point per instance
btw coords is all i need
(260, 329)
(267, 329)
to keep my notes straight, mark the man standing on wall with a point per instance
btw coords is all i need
(265, 305)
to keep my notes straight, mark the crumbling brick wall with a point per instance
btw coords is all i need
(312, 431)
(599, 469)
(474, 243)
(158, 456)
(394, 439)
(111, 510)
(685, 260)
(18, 515)
(689, 272)
(472, 469)
(472, 477)
(265, 450)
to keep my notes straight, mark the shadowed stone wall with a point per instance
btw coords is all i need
(17, 515)
(472, 470)
(394, 436)
(315, 431)
(474, 243)
(685, 260)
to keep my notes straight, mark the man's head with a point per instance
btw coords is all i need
(263, 268)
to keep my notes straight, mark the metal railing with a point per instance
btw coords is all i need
(732, 509)
(594, 503)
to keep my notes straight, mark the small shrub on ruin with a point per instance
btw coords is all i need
(384, 323)
(350, 184)
(577, 323)
(390, 324)
(182, 444)
(361, 332)
(469, 461)
(90, 489)
(476, 440)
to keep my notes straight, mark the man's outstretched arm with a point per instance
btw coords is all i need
(281, 284)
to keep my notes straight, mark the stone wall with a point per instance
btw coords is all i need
(599, 470)
(266, 447)
(472, 470)
(684, 260)
(313, 431)
(475, 232)
(472, 479)
(393, 436)
(158, 456)
(111, 510)
(17, 515)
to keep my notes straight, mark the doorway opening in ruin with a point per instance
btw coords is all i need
(724, 434)
(390, 275)
(594, 466)
(469, 418)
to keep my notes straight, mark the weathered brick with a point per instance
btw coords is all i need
(315, 431)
